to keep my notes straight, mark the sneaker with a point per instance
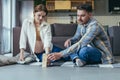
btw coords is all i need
(80, 63)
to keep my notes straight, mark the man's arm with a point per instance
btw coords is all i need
(77, 35)
(74, 39)
(90, 34)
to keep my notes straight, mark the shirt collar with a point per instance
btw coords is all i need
(43, 24)
(85, 25)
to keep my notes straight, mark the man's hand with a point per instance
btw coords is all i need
(67, 43)
(54, 56)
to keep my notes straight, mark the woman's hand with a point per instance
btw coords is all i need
(21, 58)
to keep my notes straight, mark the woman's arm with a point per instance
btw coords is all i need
(23, 40)
(21, 55)
(47, 39)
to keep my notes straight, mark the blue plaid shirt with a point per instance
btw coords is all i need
(92, 34)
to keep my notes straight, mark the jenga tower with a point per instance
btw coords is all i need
(44, 60)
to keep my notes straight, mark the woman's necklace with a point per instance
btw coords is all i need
(37, 28)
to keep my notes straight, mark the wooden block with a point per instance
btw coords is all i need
(44, 60)
(62, 5)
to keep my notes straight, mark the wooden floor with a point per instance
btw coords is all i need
(36, 72)
(65, 72)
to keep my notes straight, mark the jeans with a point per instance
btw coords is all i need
(55, 49)
(88, 54)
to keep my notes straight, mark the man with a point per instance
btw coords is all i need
(90, 44)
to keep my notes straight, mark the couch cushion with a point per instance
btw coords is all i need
(16, 37)
(116, 39)
(114, 34)
(64, 29)
(59, 41)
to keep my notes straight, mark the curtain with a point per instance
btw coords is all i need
(0, 24)
(6, 26)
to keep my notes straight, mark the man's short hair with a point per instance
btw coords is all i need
(86, 7)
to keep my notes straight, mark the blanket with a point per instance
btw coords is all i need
(7, 60)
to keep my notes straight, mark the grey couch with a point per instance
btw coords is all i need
(62, 32)
(114, 35)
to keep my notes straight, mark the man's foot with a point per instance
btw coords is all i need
(79, 63)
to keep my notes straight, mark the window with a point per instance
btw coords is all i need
(8, 21)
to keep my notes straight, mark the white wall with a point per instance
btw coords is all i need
(104, 20)
(58, 19)
(108, 20)
(26, 9)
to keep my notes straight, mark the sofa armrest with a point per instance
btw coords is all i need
(114, 33)
(16, 38)
(110, 34)
(59, 41)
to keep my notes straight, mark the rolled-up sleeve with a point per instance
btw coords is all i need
(47, 37)
(77, 35)
(23, 36)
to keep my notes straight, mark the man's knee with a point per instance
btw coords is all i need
(89, 53)
(83, 53)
